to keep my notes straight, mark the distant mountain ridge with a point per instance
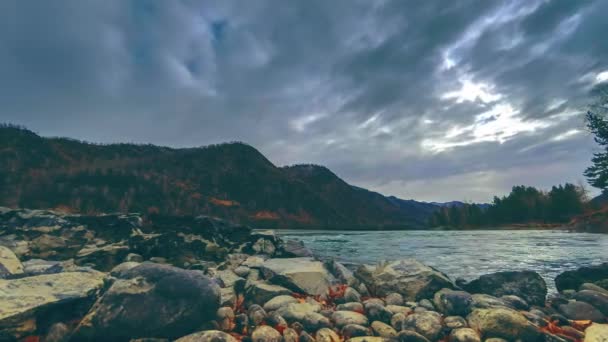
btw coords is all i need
(232, 181)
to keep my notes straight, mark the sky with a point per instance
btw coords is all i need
(431, 100)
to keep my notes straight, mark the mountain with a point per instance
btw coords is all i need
(232, 181)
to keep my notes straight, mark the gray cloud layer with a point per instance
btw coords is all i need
(433, 100)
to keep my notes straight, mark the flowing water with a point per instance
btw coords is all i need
(464, 254)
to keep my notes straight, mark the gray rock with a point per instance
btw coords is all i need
(133, 257)
(427, 324)
(342, 274)
(294, 248)
(119, 269)
(352, 306)
(580, 311)
(354, 330)
(408, 277)
(265, 333)
(453, 303)
(596, 333)
(242, 271)
(455, 322)
(593, 287)
(502, 322)
(58, 332)
(152, 300)
(34, 267)
(10, 265)
(572, 280)
(278, 302)
(464, 335)
(259, 292)
(598, 299)
(528, 285)
(383, 330)
(406, 310)
(394, 299)
(208, 336)
(515, 302)
(303, 275)
(411, 336)
(483, 301)
(342, 318)
(327, 335)
(351, 295)
(290, 335)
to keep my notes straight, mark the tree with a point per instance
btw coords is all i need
(597, 174)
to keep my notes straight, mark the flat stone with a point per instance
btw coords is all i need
(303, 275)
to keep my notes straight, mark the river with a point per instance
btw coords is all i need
(463, 254)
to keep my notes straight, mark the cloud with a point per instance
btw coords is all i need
(405, 97)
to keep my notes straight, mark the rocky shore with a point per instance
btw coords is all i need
(125, 278)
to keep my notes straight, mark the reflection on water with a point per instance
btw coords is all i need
(465, 254)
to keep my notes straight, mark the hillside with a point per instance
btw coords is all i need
(232, 181)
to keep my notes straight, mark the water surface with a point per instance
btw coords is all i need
(465, 254)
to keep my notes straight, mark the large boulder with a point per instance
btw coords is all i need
(503, 323)
(151, 300)
(304, 275)
(598, 299)
(528, 285)
(10, 265)
(572, 280)
(26, 303)
(408, 277)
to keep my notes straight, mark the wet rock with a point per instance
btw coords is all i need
(303, 275)
(278, 302)
(515, 302)
(354, 330)
(351, 295)
(596, 333)
(327, 335)
(10, 266)
(208, 336)
(383, 330)
(528, 285)
(26, 300)
(502, 322)
(411, 336)
(427, 324)
(581, 311)
(572, 280)
(450, 302)
(152, 300)
(260, 292)
(464, 335)
(598, 299)
(58, 332)
(394, 299)
(454, 322)
(265, 333)
(352, 306)
(342, 318)
(408, 277)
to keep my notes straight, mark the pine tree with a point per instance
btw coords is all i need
(597, 174)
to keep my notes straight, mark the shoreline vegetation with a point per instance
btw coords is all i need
(126, 277)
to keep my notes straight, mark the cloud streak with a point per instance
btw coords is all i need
(431, 100)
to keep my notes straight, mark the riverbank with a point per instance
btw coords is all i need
(119, 277)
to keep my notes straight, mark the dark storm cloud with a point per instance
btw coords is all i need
(435, 100)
